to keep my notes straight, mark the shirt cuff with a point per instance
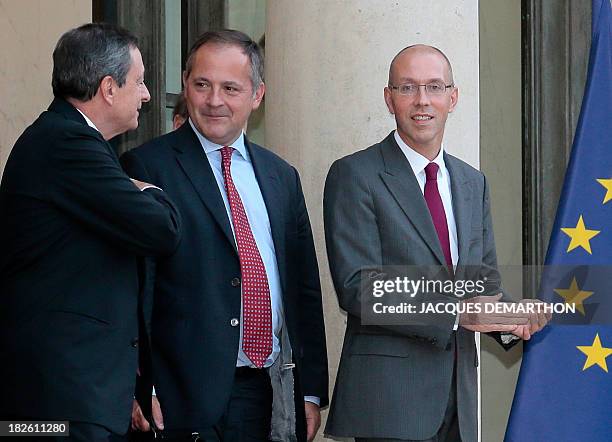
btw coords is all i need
(314, 399)
(456, 326)
(507, 338)
(150, 186)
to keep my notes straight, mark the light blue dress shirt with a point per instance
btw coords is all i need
(247, 186)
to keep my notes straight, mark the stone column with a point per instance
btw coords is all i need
(327, 65)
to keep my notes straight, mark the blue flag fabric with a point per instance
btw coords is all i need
(564, 392)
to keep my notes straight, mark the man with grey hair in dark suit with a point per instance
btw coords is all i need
(405, 202)
(73, 231)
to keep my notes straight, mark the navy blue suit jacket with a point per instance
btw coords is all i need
(195, 291)
(72, 229)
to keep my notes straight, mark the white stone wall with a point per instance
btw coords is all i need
(29, 30)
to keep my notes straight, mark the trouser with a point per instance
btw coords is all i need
(246, 418)
(448, 432)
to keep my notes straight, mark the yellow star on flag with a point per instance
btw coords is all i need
(573, 295)
(580, 236)
(596, 354)
(608, 185)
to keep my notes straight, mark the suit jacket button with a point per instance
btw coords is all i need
(234, 322)
(135, 342)
(235, 282)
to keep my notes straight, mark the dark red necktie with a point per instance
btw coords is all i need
(256, 309)
(436, 209)
(438, 215)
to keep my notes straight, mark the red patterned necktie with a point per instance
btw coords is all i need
(436, 209)
(256, 309)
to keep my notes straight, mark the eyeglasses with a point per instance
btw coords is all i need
(433, 88)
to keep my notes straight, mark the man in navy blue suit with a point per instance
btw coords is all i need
(237, 332)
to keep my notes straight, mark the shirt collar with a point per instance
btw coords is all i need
(209, 146)
(87, 120)
(417, 161)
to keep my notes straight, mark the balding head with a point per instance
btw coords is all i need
(422, 110)
(419, 49)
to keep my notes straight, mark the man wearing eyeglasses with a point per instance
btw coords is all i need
(405, 202)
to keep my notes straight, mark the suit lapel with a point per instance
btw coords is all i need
(461, 191)
(192, 159)
(403, 185)
(270, 187)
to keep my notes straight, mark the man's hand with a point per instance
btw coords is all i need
(138, 420)
(479, 321)
(522, 331)
(313, 419)
(141, 184)
(537, 321)
(157, 413)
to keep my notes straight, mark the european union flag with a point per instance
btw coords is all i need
(564, 392)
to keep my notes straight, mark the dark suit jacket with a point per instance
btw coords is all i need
(72, 228)
(197, 290)
(394, 381)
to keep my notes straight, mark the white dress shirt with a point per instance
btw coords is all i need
(418, 163)
(88, 121)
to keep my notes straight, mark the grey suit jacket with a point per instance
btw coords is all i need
(394, 381)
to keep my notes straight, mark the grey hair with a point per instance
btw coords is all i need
(232, 38)
(85, 55)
